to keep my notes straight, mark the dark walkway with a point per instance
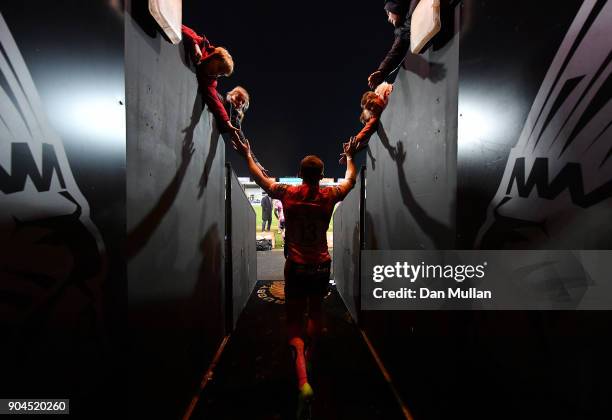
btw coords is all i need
(270, 264)
(255, 380)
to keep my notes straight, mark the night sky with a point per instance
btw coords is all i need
(305, 65)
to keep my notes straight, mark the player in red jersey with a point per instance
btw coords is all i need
(308, 210)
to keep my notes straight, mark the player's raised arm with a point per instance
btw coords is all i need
(350, 178)
(244, 149)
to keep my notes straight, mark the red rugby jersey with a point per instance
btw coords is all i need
(308, 210)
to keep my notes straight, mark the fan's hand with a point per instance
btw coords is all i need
(234, 132)
(197, 52)
(375, 79)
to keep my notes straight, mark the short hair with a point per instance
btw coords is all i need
(241, 91)
(311, 168)
(220, 61)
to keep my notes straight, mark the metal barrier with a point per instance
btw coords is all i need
(241, 261)
(348, 243)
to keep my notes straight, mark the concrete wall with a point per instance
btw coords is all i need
(348, 224)
(175, 221)
(411, 204)
(242, 273)
(532, 171)
(411, 166)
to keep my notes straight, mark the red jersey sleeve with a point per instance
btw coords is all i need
(278, 190)
(366, 132)
(211, 97)
(191, 34)
(342, 190)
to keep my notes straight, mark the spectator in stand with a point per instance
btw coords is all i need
(266, 212)
(211, 63)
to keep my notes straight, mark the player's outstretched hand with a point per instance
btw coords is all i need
(234, 132)
(351, 147)
(241, 146)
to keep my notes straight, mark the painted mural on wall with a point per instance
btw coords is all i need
(556, 190)
(52, 258)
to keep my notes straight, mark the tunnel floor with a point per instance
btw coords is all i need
(255, 380)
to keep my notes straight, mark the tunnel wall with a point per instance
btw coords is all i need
(175, 222)
(348, 224)
(62, 204)
(242, 264)
(411, 165)
(524, 165)
(410, 201)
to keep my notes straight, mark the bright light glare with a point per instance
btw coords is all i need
(89, 114)
(475, 125)
(489, 124)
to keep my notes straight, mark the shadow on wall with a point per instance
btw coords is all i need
(141, 234)
(210, 158)
(418, 64)
(176, 238)
(202, 324)
(440, 234)
(139, 11)
(177, 337)
(425, 69)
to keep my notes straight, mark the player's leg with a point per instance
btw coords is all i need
(295, 304)
(314, 323)
(295, 327)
